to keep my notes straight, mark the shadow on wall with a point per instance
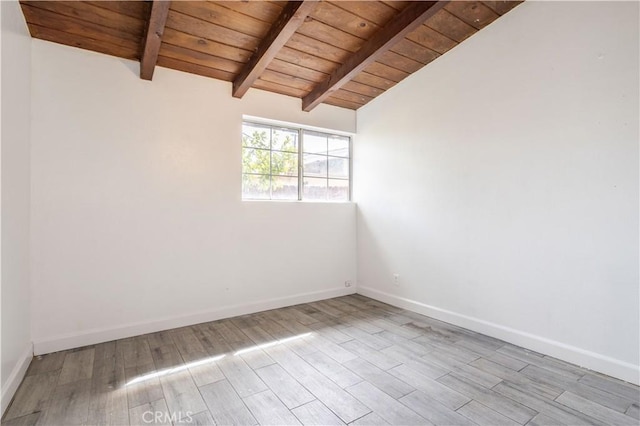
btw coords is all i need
(401, 266)
(373, 269)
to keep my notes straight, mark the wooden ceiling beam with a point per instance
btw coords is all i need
(153, 38)
(414, 15)
(292, 16)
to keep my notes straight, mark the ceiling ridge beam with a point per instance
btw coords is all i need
(292, 16)
(153, 37)
(414, 15)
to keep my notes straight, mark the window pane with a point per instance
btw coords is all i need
(255, 187)
(284, 188)
(256, 136)
(315, 143)
(255, 161)
(315, 165)
(338, 167)
(314, 189)
(338, 190)
(284, 163)
(339, 146)
(271, 164)
(285, 140)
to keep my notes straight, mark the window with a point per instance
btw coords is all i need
(281, 163)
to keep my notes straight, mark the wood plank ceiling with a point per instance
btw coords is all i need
(343, 53)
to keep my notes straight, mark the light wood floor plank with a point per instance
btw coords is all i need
(384, 381)
(415, 362)
(543, 389)
(432, 410)
(335, 398)
(332, 369)
(545, 420)
(161, 338)
(203, 418)
(226, 407)
(46, 363)
(108, 403)
(441, 393)
(77, 366)
(135, 350)
(33, 394)
(327, 331)
(593, 394)
(553, 409)
(269, 410)
(634, 411)
(69, 404)
(243, 379)
(315, 413)
(154, 412)
(614, 386)
(290, 392)
(143, 386)
(377, 358)
(484, 415)
(505, 406)
(592, 409)
(28, 420)
(371, 419)
(349, 360)
(385, 406)
(181, 394)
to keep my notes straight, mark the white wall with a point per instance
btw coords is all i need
(137, 222)
(501, 183)
(16, 63)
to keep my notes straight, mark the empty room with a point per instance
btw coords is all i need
(320, 212)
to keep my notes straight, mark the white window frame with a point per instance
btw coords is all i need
(300, 130)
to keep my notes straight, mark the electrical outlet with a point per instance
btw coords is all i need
(347, 283)
(396, 279)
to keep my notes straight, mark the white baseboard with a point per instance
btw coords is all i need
(92, 337)
(16, 376)
(582, 357)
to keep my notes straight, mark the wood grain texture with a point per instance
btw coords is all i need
(69, 404)
(269, 410)
(145, 391)
(432, 410)
(28, 420)
(131, 8)
(474, 13)
(33, 394)
(95, 13)
(433, 389)
(382, 380)
(292, 48)
(291, 17)
(481, 414)
(385, 406)
(410, 18)
(137, 414)
(507, 407)
(290, 392)
(225, 405)
(76, 27)
(46, 363)
(364, 363)
(316, 413)
(153, 37)
(77, 366)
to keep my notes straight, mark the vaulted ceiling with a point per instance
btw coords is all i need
(343, 53)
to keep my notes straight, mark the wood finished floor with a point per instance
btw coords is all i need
(349, 360)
